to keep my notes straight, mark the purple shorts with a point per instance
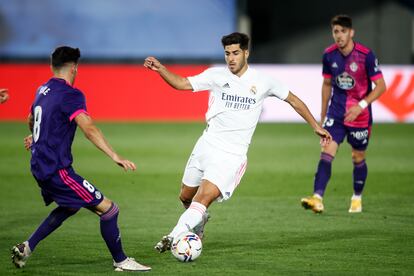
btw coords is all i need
(68, 189)
(358, 138)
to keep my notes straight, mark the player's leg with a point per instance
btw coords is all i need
(360, 174)
(53, 190)
(108, 212)
(219, 180)
(22, 251)
(186, 195)
(324, 169)
(358, 138)
(322, 176)
(193, 215)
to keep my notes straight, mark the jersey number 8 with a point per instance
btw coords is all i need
(37, 121)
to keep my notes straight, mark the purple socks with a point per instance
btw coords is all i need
(110, 233)
(323, 174)
(360, 175)
(50, 224)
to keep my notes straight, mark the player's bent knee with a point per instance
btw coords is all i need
(331, 148)
(358, 156)
(102, 207)
(111, 213)
(185, 201)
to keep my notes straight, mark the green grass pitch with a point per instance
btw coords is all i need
(261, 230)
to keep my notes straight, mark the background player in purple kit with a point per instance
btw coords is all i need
(57, 110)
(348, 70)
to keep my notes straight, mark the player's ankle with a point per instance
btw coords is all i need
(318, 196)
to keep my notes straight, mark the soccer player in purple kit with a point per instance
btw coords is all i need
(57, 110)
(348, 70)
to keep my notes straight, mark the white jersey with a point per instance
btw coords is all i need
(235, 105)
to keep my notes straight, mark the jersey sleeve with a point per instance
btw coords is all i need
(201, 81)
(326, 69)
(372, 66)
(277, 88)
(73, 104)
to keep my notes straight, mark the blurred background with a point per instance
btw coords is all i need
(288, 38)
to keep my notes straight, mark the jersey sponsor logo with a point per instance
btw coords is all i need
(345, 81)
(353, 66)
(360, 135)
(44, 90)
(334, 65)
(237, 102)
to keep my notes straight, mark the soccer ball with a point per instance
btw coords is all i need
(186, 247)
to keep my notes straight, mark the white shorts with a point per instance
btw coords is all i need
(221, 168)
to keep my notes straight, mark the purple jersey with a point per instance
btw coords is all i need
(55, 106)
(351, 77)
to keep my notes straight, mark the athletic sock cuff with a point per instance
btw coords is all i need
(327, 157)
(112, 211)
(198, 207)
(360, 164)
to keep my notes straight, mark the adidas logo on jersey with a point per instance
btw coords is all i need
(334, 65)
(227, 85)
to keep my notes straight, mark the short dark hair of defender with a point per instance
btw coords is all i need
(63, 55)
(236, 38)
(342, 20)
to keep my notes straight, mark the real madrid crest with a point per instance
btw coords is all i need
(353, 66)
(253, 90)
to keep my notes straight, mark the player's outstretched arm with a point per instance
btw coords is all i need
(174, 80)
(301, 108)
(95, 135)
(4, 96)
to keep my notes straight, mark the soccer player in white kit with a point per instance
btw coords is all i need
(219, 160)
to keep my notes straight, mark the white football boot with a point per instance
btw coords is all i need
(129, 264)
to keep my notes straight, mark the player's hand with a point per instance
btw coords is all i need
(325, 136)
(124, 163)
(4, 96)
(152, 63)
(353, 113)
(28, 141)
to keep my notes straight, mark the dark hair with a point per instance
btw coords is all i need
(64, 54)
(236, 38)
(342, 20)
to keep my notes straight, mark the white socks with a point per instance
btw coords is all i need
(189, 219)
(356, 197)
(317, 196)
